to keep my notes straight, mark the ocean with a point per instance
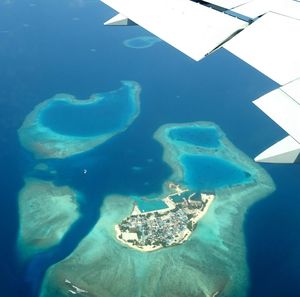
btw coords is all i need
(51, 47)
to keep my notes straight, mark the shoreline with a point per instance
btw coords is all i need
(212, 261)
(45, 143)
(131, 239)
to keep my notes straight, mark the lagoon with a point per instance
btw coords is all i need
(211, 173)
(63, 125)
(196, 135)
(141, 42)
(106, 113)
(210, 263)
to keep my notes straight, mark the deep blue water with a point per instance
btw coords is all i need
(60, 46)
(202, 136)
(107, 115)
(208, 173)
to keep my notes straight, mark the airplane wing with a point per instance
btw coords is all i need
(263, 33)
(194, 29)
(283, 106)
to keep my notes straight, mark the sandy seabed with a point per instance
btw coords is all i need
(211, 263)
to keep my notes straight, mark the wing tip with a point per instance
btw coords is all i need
(285, 151)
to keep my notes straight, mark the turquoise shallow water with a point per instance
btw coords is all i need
(209, 173)
(202, 136)
(48, 57)
(63, 125)
(149, 205)
(141, 42)
(211, 262)
(102, 116)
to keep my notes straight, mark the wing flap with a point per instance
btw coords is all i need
(282, 108)
(293, 90)
(285, 151)
(229, 4)
(256, 8)
(271, 45)
(192, 28)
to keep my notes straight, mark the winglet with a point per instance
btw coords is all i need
(283, 107)
(119, 20)
(285, 151)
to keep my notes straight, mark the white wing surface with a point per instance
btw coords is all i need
(194, 29)
(285, 151)
(283, 106)
(263, 33)
(256, 8)
(118, 20)
(228, 4)
(271, 45)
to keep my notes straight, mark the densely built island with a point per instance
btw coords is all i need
(195, 241)
(170, 226)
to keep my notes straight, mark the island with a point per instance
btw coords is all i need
(170, 226)
(172, 243)
(63, 126)
(46, 214)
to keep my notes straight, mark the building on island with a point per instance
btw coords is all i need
(164, 227)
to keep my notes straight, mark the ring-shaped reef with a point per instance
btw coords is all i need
(141, 42)
(46, 213)
(63, 125)
(212, 262)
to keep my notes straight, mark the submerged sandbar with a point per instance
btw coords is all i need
(211, 262)
(141, 42)
(63, 125)
(46, 214)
